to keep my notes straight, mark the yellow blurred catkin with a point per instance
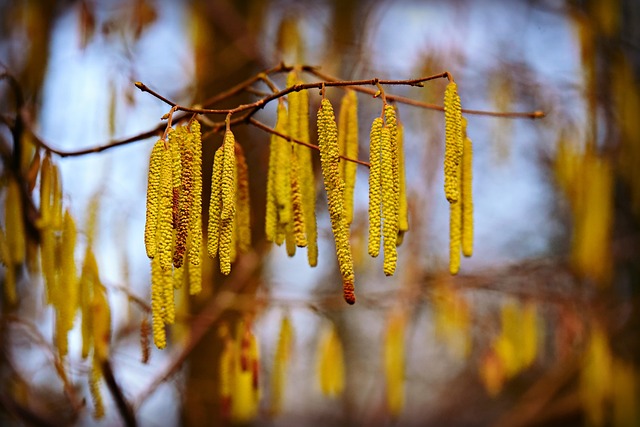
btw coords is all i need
(403, 208)
(243, 203)
(89, 280)
(68, 303)
(280, 361)
(330, 363)
(145, 350)
(596, 377)
(182, 226)
(348, 142)
(14, 223)
(393, 357)
(453, 141)
(101, 323)
(375, 187)
(334, 186)
(95, 377)
(455, 236)
(467, 194)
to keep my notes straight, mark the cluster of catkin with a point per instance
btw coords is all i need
(229, 227)
(173, 229)
(457, 179)
(290, 211)
(388, 214)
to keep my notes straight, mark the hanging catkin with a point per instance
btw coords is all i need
(375, 186)
(403, 211)
(165, 212)
(330, 162)
(176, 139)
(467, 195)
(330, 363)
(14, 223)
(68, 282)
(195, 212)
(157, 302)
(455, 232)
(243, 203)
(153, 199)
(185, 194)
(390, 190)
(349, 148)
(215, 208)
(299, 229)
(228, 199)
(307, 180)
(453, 141)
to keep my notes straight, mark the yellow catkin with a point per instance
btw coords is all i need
(14, 223)
(299, 228)
(280, 362)
(168, 302)
(195, 212)
(182, 225)
(453, 141)
(177, 137)
(68, 282)
(228, 188)
(393, 357)
(56, 198)
(389, 193)
(215, 205)
(403, 209)
(330, 363)
(375, 187)
(153, 191)
(145, 350)
(226, 241)
(293, 98)
(194, 274)
(157, 302)
(334, 186)
(243, 202)
(88, 282)
(467, 195)
(45, 190)
(95, 378)
(226, 366)
(455, 220)
(290, 239)
(164, 236)
(101, 323)
(307, 181)
(350, 151)
(271, 210)
(282, 181)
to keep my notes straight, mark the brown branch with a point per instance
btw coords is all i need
(528, 115)
(123, 406)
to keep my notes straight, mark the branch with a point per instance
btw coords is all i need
(124, 408)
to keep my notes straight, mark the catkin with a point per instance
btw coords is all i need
(243, 203)
(299, 229)
(403, 211)
(101, 322)
(283, 170)
(195, 275)
(307, 181)
(94, 388)
(153, 191)
(145, 349)
(467, 198)
(453, 141)
(176, 139)
(185, 195)
(271, 210)
(394, 362)
(157, 302)
(280, 361)
(68, 282)
(390, 190)
(195, 212)
(228, 188)
(375, 187)
(349, 150)
(215, 206)
(168, 302)
(164, 237)
(46, 172)
(455, 231)
(330, 363)
(10, 291)
(88, 281)
(334, 186)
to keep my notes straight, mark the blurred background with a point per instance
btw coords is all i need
(539, 328)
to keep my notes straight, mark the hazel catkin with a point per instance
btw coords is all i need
(467, 196)
(153, 198)
(453, 141)
(215, 208)
(375, 187)
(195, 211)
